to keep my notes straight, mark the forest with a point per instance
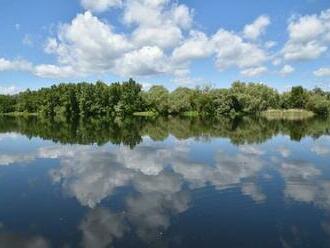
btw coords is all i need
(128, 98)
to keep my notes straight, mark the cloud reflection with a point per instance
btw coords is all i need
(18, 241)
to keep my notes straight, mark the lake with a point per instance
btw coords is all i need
(164, 183)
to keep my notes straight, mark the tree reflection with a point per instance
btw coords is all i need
(130, 131)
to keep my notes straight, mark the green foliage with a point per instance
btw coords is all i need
(82, 99)
(298, 97)
(124, 99)
(254, 98)
(319, 104)
(157, 99)
(180, 100)
(7, 104)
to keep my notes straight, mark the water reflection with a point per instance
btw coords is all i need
(130, 131)
(170, 183)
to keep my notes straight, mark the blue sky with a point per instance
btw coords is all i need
(174, 43)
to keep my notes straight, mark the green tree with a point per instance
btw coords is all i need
(298, 97)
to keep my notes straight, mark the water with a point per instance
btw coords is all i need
(164, 183)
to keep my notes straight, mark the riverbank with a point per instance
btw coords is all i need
(272, 114)
(145, 114)
(287, 114)
(18, 114)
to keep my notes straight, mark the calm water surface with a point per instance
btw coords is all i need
(164, 183)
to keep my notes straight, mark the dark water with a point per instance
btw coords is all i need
(164, 183)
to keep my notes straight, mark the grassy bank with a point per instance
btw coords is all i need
(190, 114)
(145, 114)
(287, 114)
(19, 114)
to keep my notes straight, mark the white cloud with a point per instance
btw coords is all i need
(299, 51)
(148, 60)
(53, 71)
(322, 72)
(254, 71)
(159, 37)
(309, 37)
(306, 28)
(100, 5)
(88, 45)
(157, 23)
(286, 70)
(231, 51)
(146, 12)
(196, 46)
(9, 90)
(157, 43)
(16, 65)
(183, 77)
(42, 70)
(182, 16)
(165, 37)
(157, 26)
(257, 28)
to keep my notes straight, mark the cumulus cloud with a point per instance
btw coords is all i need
(158, 25)
(145, 61)
(16, 65)
(53, 71)
(322, 72)
(197, 46)
(100, 5)
(9, 90)
(231, 50)
(254, 71)
(286, 70)
(87, 45)
(309, 37)
(257, 28)
(161, 40)
(160, 37)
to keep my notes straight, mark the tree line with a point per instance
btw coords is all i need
(127, 98)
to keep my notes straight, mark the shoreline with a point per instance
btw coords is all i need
(287, 114)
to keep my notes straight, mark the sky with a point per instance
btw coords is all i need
(172, 43)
